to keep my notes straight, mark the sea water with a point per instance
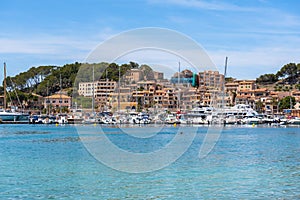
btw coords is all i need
(51, 162)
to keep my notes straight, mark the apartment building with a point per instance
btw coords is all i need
(103, 89)
(133, 76)
(211, 79)
(158, 98)
(100, 89)
(246, 85)
(232, 87)
(120, 100)
(190, 97)
(262, 92)
(170, 100)
(158, 75)
(146, 85)
(58, 100)
(86, 88)
(37, 102)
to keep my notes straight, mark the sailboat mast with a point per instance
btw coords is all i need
(60, 94)
(106, 89)
(178, 81)
(93, 99)
(223, 86)
(4, 87)
(119, 90)
(48, 102)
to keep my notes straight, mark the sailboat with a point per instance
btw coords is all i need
(10, 115)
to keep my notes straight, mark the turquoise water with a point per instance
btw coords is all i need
(49, 162)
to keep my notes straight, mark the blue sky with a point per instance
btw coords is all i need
(258, 36)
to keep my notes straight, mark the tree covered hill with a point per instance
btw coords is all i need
(289, 74)
(45, 80)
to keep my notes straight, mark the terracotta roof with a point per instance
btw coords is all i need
(261, 90)
(33, 94)
(58, 96)
(296, 92)
(245, 90)
(243, 96)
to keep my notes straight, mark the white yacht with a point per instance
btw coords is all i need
(199, 115)
(295, 121)
(172, 119)
(9, 115)
(12, 115)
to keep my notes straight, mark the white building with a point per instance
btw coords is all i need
(86, 88)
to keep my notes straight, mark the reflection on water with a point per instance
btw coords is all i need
(31, 132)
(65, 139)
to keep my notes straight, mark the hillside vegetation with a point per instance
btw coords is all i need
(45, 80)
(287, 78)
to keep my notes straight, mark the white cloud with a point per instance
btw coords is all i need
(53, 45)
(44, 45)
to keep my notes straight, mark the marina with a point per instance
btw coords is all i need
(236, 115)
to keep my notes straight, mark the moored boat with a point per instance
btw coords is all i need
(11, 115)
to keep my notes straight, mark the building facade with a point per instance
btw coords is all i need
(57, 101)
(86, 88)
(211, 80)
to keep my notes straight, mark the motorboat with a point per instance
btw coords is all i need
(172, 119)
(11, 115)
(294, 121)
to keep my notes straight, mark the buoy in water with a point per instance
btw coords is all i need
(253, 125)
(56, 124)
(175, 125)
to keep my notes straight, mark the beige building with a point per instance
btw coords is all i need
(121, 100)
(158, 98)
(211, 79)
(231, 87)
(170, 99)
(37, 102)
(262, 92)
(133, 76)
(146, 85)
(103, 90)
(158, 75)
(246, 85)
(57, 101)
(86, 88)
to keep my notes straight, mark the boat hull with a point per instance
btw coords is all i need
(14, 117)
(9, 117)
